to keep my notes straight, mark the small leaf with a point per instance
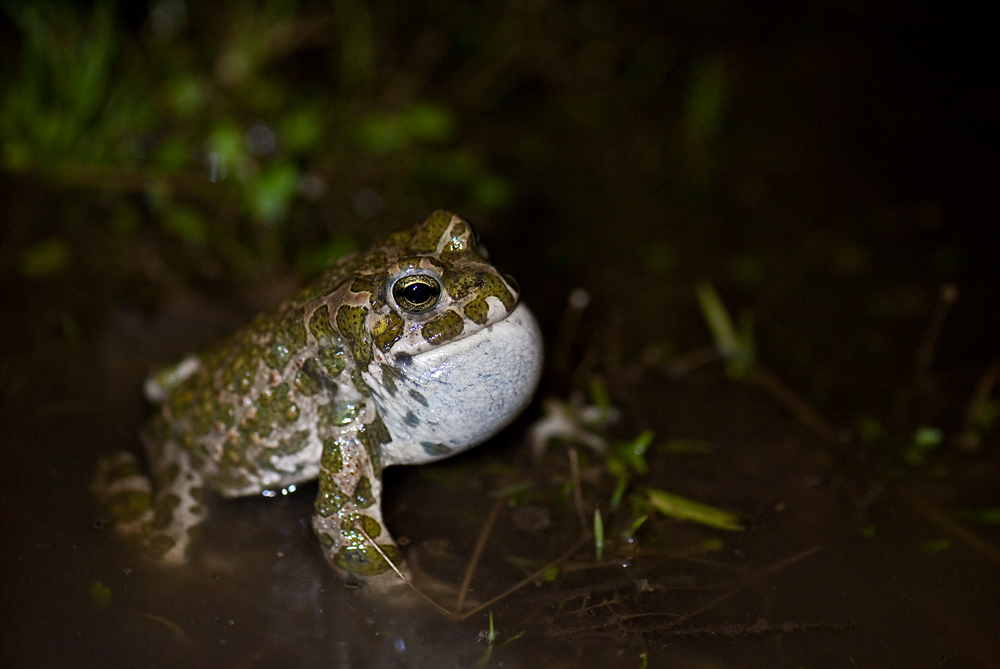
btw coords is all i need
(598, 393)
(634, 527)
(621, 485)
(738, 349)
(598, 535)
(100, 594)
(935, 546)
(925, 439)
(682, 508)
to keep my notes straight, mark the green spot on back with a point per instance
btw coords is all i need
(287, 336)
(351, 323)
(308, 378)
(274, 407)
(427, 236)
(293, 444)
(370, 283)
(319, 325)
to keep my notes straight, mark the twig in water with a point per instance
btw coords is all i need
(956, 530)
(578, 300)
(574, 472)
(969, 438)
(437, 607)
(528, 579)
(787, 562)
(477, 552)
(925, 354)
(789, 399)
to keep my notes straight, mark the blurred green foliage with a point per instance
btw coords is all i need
(230, 138)
(223, 119)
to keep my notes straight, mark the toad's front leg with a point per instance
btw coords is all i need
(348, 511)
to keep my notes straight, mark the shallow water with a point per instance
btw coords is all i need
(800, 587)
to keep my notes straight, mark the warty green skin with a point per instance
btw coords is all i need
(338, 383)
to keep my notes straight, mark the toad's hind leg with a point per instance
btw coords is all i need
(161, 523)
(125, 492)
(179, 505)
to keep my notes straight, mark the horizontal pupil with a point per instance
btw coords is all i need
(418, 293)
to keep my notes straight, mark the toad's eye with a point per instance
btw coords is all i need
(416, 293)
